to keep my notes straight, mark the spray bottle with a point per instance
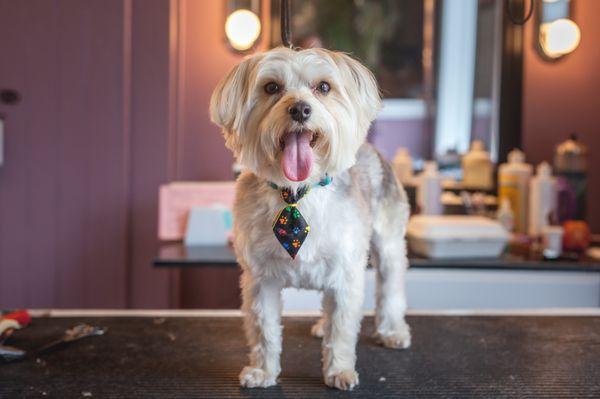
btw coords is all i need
(542, 202)
(430, 190)
(403, 165)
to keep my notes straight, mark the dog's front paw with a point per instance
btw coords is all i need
(252, 377)
(399, 338)
(345, 380)
(318, 329)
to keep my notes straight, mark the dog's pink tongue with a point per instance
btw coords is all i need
(297, 156)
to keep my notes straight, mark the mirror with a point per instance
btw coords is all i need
(438, 63)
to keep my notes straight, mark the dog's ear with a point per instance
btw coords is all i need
(230, 98)
(363, 87)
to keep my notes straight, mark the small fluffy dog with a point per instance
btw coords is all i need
(297, 121)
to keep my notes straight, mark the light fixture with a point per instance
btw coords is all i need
(242, 24)
(557, 34)
(559, 37)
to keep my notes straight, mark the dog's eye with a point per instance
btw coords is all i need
(271, 88)
(323, 87)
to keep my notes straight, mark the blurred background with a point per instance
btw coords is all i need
(102, 102)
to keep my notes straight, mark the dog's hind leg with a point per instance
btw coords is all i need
(388, 256)
(318, 329)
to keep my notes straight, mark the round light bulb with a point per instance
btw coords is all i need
(242, 28)
(559, 37)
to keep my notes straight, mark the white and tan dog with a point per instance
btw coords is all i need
(290, 118)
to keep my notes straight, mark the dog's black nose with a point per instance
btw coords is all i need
(300, 111)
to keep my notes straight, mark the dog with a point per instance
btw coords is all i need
(297, 122)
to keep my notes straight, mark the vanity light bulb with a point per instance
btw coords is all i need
(242, 28)
(559, 37)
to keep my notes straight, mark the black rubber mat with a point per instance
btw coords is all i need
(451, 357)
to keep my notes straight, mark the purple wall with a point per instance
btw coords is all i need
(562, 97)
(86, 150)
(64, 187)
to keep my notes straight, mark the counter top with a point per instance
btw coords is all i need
(451, 356)
(177, 255)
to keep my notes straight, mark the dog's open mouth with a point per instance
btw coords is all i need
(297, 155)
(313, 140)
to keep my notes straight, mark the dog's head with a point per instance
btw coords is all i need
(291, 116)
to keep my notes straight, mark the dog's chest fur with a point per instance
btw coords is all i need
(340, 218)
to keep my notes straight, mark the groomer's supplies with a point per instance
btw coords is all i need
(430, 190)
(452, 203)
(542, 200)
(10, 353)
(76, 333)
(403, 165)
(577, 236)
(513, 184)
(593, 252)
(505, 215)
(552, 237)
(9, 323)
(178, 198)
(477, 168)
(566, 206)
(570, 165)
(208, 226)
(456, 236)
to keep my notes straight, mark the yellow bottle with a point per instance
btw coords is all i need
(513, 184)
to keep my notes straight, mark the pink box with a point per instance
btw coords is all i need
(177, 198)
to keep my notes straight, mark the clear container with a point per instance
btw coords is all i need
(456, 236)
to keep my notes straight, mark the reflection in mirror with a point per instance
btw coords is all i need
(437, 63)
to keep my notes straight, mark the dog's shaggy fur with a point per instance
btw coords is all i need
(364, 210)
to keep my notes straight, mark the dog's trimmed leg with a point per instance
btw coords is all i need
(318, 329)
(343, 309)
(388, 255)
(262, 322)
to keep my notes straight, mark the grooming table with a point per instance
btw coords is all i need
(178, 255)
(199, 355)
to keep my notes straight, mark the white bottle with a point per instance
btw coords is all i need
(403, 165)
(542, 200)
(430, 190)
(477, 167)
(513, 184)
(505, 215)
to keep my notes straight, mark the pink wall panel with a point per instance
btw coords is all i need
(562, 97)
